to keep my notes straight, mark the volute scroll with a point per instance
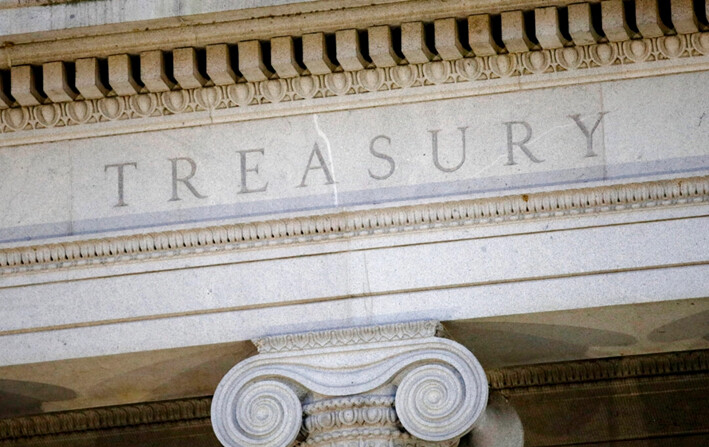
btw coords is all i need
(395, 385)
(262, 413)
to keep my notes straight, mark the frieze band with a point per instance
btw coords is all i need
(694, 190)
(561, 46)
(388, 85)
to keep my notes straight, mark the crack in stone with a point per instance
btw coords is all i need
(322, 135)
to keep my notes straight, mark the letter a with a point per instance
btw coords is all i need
(321, 165)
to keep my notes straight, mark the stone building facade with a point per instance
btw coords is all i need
(354, 223)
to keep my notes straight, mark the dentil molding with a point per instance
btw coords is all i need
(225, 78)
(341, 90)
(329, 16)
(396, 385)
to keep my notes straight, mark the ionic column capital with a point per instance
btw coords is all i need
(360, 383)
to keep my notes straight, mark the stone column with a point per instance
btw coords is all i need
(400, 385)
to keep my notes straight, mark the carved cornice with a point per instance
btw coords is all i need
(368, 87)
(566, 374)
(335, 226)
(235, 25)
(348, 337)
(83, 99)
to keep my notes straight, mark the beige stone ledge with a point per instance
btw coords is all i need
(371, 87)
(330, 16)
(204, 20)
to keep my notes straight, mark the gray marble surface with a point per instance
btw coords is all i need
(521, 142)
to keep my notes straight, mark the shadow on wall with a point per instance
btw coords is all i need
(169, 379)
(498, 344)
(687, 328)
(18, 397)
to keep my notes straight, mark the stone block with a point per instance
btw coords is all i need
(546, 21)
(55, 82)
(251, 61)
(186, 69)
(581, 26)
(514, 34)
(447, 41)
(219, 68)
(647, 17)
(24, 86)
(349, 53)
(283, 57)
(480, 35)
(413, 43)
(152, 72)
(315, 55)
(683, 18)
(120, 75)
(88, 79)
(381, 49)
(614, 22)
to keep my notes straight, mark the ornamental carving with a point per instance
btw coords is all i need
(678, 192)
(396, 385)
(382, 85)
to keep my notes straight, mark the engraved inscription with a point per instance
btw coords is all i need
(520, 143)
(434, 146)
(252, 179)
(588, 133)
(383, 156)
(184, 180)
(465, 148)
(320, 165)
(446, 158)
(243, 160)
(119, 169)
